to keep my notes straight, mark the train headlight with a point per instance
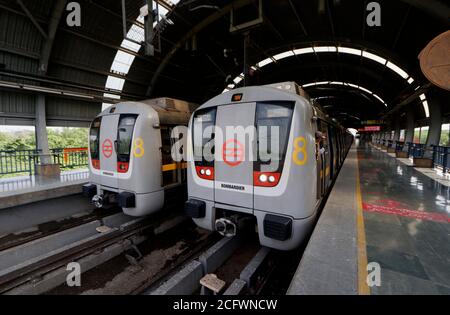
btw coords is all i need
(202, 171)
(272, 179)
(208, 172)
(263, 178)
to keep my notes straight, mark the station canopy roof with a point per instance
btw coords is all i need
(356, 71)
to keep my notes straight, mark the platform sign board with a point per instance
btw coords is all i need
(373, 122)
(372, 128)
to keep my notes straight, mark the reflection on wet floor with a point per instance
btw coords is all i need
(407, 221)
(27, 182)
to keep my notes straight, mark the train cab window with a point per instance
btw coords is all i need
(124, 137)
(94, 139)
(272, 119)
(204, 149)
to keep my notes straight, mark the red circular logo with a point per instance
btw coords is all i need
(107, 148)
(233, 152)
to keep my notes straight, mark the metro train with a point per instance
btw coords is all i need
(130, 157)
(231, 182)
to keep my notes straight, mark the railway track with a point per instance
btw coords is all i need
(231, 266)
(48, 228)
(39, 265)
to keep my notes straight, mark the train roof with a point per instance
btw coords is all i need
(288, 90)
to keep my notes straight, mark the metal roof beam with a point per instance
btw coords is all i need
(46, 50)
(194, 30)
(435, 8)
(297, 16)
(32, 19)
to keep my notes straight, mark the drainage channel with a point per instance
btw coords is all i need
(40, 265)
(232, 266)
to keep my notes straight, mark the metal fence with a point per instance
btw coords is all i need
(441, 158)
(416, 150)
(24, 161)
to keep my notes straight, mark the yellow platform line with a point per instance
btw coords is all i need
(363, 288)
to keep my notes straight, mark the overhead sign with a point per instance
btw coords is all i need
(372, 128)
(373, 122)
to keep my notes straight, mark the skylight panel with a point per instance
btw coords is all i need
(351, 51)
(365, 90)
(374, 57)
(283, 55)
(325, 49)
(303, 51)
(114, 83)
(397, 70)
(238, 79)
(130, 45)
(380, 99)
(265, 62)
(426, 109)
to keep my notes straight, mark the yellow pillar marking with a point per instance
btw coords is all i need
(363, 288)
(173, 166)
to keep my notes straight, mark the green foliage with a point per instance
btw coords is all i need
(63, 138)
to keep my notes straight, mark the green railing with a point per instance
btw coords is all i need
(24, 161)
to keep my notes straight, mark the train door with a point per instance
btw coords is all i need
(169, 166)
(233, 165)
(108, 155)
(332, 144)
(323, 158)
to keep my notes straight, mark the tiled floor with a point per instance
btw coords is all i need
(407, 225)
(433, 173)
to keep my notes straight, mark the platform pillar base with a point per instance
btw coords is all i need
(47, 170)
(423, 162)
(401, 154)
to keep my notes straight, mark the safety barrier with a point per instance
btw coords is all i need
(24, 161)
(440, 157)
(416, 150)
(399, 145)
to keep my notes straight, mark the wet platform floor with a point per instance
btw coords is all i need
(406, 224)
(16, 184)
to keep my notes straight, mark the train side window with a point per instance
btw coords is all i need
(125, 136)
(203, 119)
(269, 115)
(94, 138)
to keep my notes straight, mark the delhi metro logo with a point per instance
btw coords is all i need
(233, 152)
(107, 148)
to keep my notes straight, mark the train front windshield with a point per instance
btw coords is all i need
(272, 119)
(124, 141)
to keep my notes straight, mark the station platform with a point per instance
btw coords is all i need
(381, 212)
(20, 190)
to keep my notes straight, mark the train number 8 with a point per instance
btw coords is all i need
(138, 148)
(300, 151)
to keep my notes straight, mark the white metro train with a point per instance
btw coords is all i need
(232, 180)
(130, 157)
